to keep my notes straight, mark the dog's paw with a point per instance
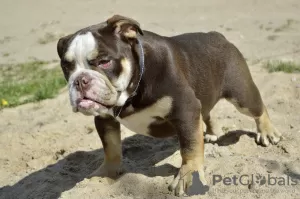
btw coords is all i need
(267, 136)
(210, 138)
(107, 170)
(213, 132)
(187, 181)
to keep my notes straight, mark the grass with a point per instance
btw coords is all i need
(29, 82)
(284, 66)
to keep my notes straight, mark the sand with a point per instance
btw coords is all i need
(47, 151)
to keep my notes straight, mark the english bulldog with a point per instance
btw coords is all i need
(158, 86)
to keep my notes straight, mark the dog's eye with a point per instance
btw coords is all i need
(104, 63)
(101, 63)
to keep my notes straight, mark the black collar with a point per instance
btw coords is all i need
(117, 110)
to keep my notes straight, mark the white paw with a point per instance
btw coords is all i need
(210, 138)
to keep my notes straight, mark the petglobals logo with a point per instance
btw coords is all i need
(258, 179)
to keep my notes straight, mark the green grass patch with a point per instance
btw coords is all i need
(29, 82)
(284, 66)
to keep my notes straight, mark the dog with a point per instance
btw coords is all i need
(158, 86)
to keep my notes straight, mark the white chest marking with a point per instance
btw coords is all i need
(140, 121)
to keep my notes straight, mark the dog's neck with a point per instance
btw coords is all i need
(155, 60)
(155, 67)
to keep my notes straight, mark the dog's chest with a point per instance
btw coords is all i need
(140, 121)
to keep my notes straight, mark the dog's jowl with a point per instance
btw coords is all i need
(158, 86)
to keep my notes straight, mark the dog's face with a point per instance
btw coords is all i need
(100, 63)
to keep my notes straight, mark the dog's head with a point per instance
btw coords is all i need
(101, 64)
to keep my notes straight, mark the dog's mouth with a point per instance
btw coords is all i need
(88, 103)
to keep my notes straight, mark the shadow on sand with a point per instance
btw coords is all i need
(233, 137)
(54, 179)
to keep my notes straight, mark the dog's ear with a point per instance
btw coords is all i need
(125, 27)
(61, 45)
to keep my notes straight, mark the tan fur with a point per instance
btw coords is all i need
(197, 148)
(191, 161)
(113, 156)
(129, 33)
(122, 81)
(92, 55)
(113, 149)
(266, 131)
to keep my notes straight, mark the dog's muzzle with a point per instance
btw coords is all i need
(91, 93)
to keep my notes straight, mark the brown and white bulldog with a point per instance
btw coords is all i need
(158, 86)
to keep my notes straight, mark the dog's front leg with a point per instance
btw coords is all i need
(189, 125)
(110, 135)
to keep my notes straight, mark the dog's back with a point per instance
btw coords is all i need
(208, 60)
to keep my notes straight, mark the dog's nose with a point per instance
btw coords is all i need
(82, 82)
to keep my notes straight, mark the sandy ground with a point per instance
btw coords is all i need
(47, 151)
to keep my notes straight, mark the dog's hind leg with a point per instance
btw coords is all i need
(240, 90)
(266, 132)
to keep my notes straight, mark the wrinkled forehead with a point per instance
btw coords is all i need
(84, 43)
(83, 46)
